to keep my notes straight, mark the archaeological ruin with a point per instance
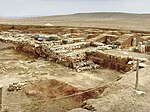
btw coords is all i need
(78, 48)
(64, 66)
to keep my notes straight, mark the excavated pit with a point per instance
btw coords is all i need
(60, 95)
(79, 49)
(48, 86)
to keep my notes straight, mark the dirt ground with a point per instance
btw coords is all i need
(37, 73)
(122, 97)
(47, 80)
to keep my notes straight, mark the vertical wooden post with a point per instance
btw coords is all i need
(137, 74)
(1, 88)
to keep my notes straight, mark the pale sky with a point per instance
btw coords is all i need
(19, 8)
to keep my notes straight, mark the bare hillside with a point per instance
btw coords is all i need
(102, 20)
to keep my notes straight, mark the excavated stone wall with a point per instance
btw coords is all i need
(51, 51)
(70, 49)
(111, 61)
(147, 48)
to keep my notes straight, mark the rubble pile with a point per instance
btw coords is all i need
(15, 86)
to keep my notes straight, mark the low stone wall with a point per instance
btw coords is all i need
(48, 51)
(61, 56)
(111, 61)
(147, 48)
(45, 52)
(62, 51)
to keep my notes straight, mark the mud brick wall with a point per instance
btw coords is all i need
(126, 43)
(147, 48)
(108, 60)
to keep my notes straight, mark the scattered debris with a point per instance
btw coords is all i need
(49, 24)
(142, 65)
(15, 86)
(87, 106)
(31, 93)
(140, 92)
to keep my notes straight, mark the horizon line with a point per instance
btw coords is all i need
(28, 16)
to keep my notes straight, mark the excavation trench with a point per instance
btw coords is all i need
(54, 87)
(80, 49)
(98, 57)
(48, 94)
(59, 95)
